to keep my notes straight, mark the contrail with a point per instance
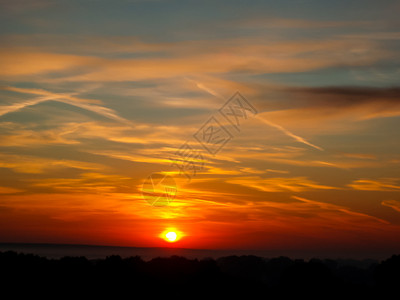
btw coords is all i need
(288, 133)
(64, 98)
(204, 88)
(17, 106)
(279, 127)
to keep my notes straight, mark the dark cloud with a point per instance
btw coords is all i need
(345, 96)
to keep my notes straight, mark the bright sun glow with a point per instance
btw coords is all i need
(171, 236)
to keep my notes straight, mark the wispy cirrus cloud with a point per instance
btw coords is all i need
(85, 183)
(20, 63)
(359, 156)
(35, 165)
(293, 184)
(395, 204)
(243, 55)
(341, 209)
(64, 98)
(17, 135)
(385, 184)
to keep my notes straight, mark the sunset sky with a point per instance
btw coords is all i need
(97, 95)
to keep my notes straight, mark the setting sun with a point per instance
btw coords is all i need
(171, 236)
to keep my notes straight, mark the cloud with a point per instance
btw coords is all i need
(359, 155)
(85, 183)
(357, 102)
(139, 158)
(395, 204)
(36, 165)
(385, 184)
(277, 171)
(333, 207)
(294, 184)
(300, 157)
(64, 98)
(180, 59)
(20, 63)
(17, 135)
(138, 133)
(316, 111)
(8, 190)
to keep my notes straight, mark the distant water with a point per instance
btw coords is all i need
(98, 252)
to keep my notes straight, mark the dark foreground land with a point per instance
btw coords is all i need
(233, 277)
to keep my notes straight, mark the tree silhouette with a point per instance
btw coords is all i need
(179, 277)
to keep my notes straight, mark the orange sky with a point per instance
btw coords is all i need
(94, 100)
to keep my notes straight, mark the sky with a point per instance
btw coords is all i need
(95, 96)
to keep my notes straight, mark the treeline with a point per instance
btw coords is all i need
(177, 277)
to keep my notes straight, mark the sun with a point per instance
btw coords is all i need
(171, 236)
